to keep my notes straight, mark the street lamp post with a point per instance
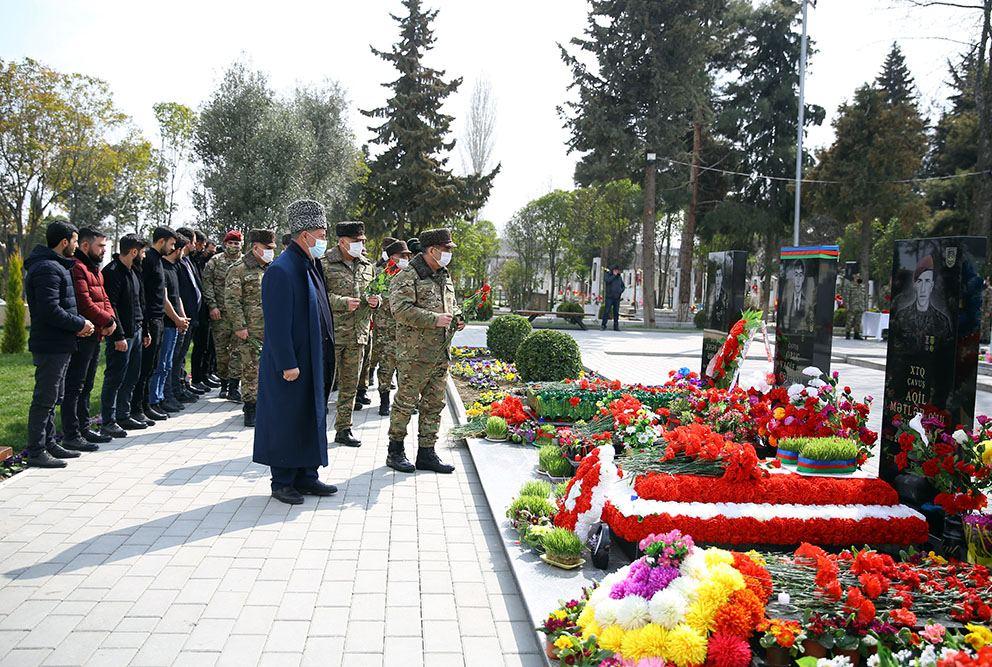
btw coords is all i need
(799, 130)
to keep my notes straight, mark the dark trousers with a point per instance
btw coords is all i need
(178, 373)
(328, 368)
(200, 363)
(78, 385)
(298, 477)
(149, 357)
(611, 306)
(49, 385)
(119, 379)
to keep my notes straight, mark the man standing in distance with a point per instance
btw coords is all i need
(225, 343)
(297, 364)
(153, 285)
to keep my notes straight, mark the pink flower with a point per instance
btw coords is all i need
(934, 633)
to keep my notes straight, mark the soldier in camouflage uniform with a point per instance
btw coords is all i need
(347, 274)
(422, 300)
(855, 301)
(385, 327)
(225, 343)
(374, 348)
(243, 302)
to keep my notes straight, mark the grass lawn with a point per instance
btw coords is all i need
(16, 387)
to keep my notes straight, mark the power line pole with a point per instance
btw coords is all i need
(799, 130)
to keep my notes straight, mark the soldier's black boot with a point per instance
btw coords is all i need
(396, 459)
(857, 336)
(384, 403)
(847, 335)
(249, 411)
(427, 460)
(233, 392)
(362, 397)
(344, 437)
(223, 389)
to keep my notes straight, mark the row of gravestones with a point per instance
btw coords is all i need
(934, 326)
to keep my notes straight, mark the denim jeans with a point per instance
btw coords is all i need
(119, 378)
(78, 385)
(156, 385)
(49, 385)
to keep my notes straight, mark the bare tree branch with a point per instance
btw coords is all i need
(480, 132)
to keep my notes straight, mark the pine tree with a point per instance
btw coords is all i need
(895, 79)
(410, 187)
(15, 333)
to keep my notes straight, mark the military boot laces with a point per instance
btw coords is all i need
(396, 459)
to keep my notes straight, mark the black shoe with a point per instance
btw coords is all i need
(396, 459)
(233, 393)
(362, 397)
(168, 407)
(60, 452)
(44, 460)
(603, 328)
(185, 397)
(208, 382)
(213, 379)
(113, 430)
(383, 404)
(223, 389)
(317, 489)
(132, 424)
(858, 337)
(77, 444)
(249, 411)
(288, 495)
(847, 335)
(154, 414)
(92, 436)
(199, 388)
(427, 460)
(616, 328)
(347, 439)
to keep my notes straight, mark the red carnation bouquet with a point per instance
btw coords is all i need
(380, 284)
(723, 367)
(478, 298)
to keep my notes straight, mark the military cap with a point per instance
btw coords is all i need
(414, 245)
(264, 236)
(232, 235)
(395, 247)
(432, 237)
(925, 264)
(304, 215)
(350, 228)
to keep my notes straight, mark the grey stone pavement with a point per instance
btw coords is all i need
(165, 549)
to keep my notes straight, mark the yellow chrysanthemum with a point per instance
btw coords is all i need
(611, 638)
(701, 618)
(712, 596)
(646, 642)
(684, 646)
(727, 578)
(978, 636)
(592, 629)
(987, 452)
(714, 556)
(757, 557)
(586, 617)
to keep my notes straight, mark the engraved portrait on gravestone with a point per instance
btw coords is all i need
(799, 303)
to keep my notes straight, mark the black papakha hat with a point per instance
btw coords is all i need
(432, 237)
(350, 229)
(414, 245)
(396, 247)
(264, 236)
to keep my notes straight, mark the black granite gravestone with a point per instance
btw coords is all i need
(727, 278)
(850, 270)
(934, 327)
(804, 327)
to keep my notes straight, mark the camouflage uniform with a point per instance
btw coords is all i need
(417, 295)
(384, 350)
(346, 280)
(366, 375)
(225, 342)
(855, 301)
(243, 299)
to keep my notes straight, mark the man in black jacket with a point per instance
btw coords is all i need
(202, 340)
(55, 326)
(161, 396)
(153, 285)
(614, 290)
(191, 293)
(124, 346)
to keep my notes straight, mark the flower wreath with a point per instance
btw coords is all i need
(585, 496)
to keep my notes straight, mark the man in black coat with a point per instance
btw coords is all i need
(153, 285)
(614, 290)
(191, 292)
(55, 327)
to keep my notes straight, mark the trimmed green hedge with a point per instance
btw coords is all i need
(548, 356)
(505, 334)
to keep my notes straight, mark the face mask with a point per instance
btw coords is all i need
(355, 248)
(444, 259)
(402, 263)
(385, 257)
(232, 250)
(268, 254)
(319, 248)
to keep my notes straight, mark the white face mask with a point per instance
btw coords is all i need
(444, 259)
(402, 262)
(268, 254)
(385, 257)
(355, 248)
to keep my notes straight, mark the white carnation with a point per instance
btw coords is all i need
(632, 612)
(812, 371)
(667, 607)
(960, 437)
(796, 390)
(605, 613)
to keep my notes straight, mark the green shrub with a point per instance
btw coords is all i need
(563, 546)
(536, 487)
(699, 319)
(535, 505)
(840, 317)
(496, 428)
(825, 449)
(551, 461)
(548, 356)
(484, 311)
(504, 335)
(15, 332)
(567, 307)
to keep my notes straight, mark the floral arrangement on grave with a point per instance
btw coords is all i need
(958, 464)
(380, 284)
(678, 605)
(724, 367)
(696, 449)
(934, 646)
(821, 456)
(978, 533)
(566, 641)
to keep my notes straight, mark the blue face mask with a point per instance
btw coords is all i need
(319, 248)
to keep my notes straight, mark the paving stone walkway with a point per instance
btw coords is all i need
(165, 548)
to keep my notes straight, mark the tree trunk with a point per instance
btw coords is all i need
(865, 259)
(981, 216)
(689, 230)
(647, 247)
(668, 258)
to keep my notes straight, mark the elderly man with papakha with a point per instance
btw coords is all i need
(422, 300)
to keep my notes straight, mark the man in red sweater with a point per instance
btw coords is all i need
(93, 304)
